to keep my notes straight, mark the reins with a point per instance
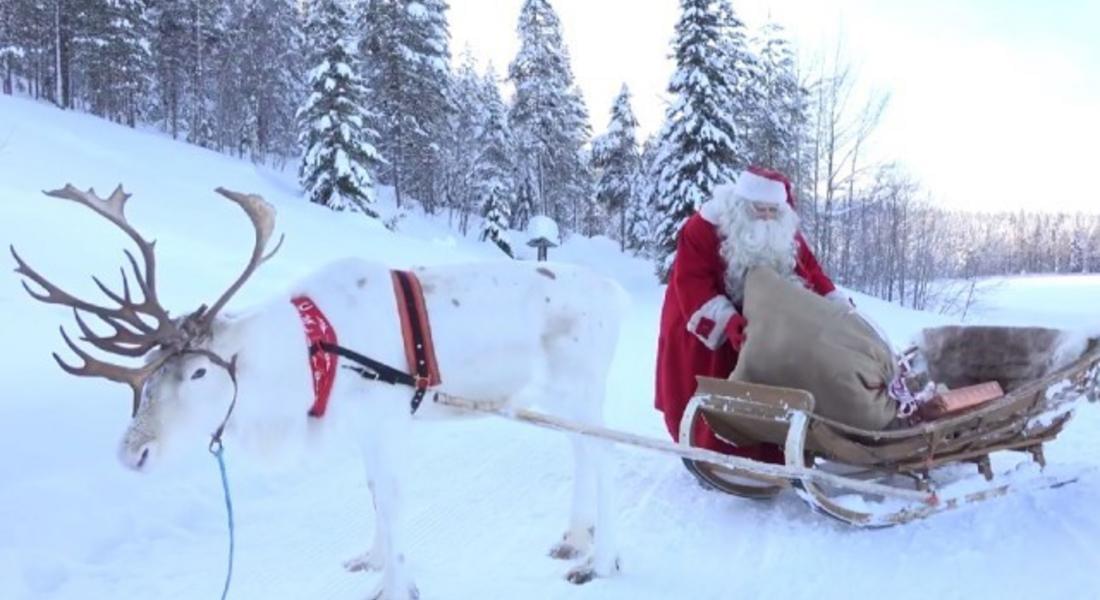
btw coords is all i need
(218, 450)
(230, 367)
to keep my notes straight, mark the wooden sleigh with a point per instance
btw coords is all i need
(882, 478)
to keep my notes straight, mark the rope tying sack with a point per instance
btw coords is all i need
(908, 402)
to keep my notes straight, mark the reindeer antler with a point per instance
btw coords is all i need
(93, 367)
(132, 334)
(262, 216)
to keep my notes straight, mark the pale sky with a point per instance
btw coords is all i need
(993, 104)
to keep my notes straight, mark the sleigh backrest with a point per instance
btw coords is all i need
(959, 356)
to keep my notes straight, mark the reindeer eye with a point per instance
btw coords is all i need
(199, 373)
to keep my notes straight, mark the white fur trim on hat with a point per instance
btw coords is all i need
(721, 200)
(755, 188)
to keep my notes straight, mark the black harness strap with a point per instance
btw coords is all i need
(367, 367)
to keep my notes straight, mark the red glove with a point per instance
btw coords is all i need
(735, 331)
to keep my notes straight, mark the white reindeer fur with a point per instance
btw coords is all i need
(513, 332)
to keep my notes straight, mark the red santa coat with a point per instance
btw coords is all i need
(692, 332)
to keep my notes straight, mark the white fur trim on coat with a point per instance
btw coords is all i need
(717, 311)
(755, 188)
(839, 297)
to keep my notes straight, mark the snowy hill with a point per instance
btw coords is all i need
(487, 498)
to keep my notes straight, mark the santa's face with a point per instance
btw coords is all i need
(757, 234)
(764, 231)
(764, 211)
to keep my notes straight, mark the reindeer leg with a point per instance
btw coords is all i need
(592, 494)
(604, 560)
(576, 388)
(577, 539)
(374, 559)
(380, 445)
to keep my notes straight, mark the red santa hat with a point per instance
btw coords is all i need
(758, 184)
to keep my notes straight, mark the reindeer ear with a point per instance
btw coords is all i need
(221, 323)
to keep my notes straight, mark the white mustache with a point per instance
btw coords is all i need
(749, 243)
(763, 234)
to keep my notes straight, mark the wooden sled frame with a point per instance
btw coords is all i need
(1023, 420)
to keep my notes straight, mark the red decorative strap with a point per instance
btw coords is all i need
(416, 330)
(322, 364)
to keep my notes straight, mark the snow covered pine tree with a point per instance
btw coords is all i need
(494, 186)
(616, 162)
(405, 48)
(699, 144)
(548, 118)
(339, 152)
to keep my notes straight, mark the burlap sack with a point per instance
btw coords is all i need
(796, 338)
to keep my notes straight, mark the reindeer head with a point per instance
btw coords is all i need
(184, 380)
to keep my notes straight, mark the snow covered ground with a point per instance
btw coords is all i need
(75, 525)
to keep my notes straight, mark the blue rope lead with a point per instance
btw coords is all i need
(217, 450)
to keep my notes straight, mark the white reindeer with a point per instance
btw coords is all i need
(512, 333)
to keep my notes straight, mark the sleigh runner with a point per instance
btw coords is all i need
(881, 478)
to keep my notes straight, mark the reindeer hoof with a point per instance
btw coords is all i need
(587, 571)
(564, 551)
(573, 544)
(363, 562)
(581, 574)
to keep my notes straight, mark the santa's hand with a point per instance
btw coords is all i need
(735, 331)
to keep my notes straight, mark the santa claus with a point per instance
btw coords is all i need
(747, 224)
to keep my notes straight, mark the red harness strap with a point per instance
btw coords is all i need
(416, 331)
(321, 364)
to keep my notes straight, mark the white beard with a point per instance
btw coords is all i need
(748, 243)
